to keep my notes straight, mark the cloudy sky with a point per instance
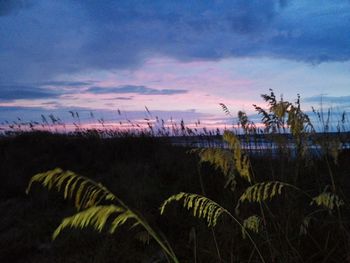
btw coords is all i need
(179, 58)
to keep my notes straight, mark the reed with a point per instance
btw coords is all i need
(273, 194)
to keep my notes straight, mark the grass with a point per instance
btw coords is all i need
(285, 203)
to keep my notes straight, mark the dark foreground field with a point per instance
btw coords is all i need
(143, 172)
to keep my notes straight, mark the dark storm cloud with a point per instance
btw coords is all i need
(8, 7)
(141, 90)
(66, 83)
(50, 38)
(40, 90)
(13, 92)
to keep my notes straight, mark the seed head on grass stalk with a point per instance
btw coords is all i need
(203, 207)
(88, 196)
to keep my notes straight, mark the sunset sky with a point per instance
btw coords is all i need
(180, 58)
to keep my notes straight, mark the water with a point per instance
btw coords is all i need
(261, 146)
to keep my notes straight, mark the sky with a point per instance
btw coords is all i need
(180, 59)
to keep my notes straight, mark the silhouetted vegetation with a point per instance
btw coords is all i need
(274, 193)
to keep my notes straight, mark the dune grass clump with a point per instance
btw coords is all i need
(280, 119)
(88, 196)
(271, 194)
